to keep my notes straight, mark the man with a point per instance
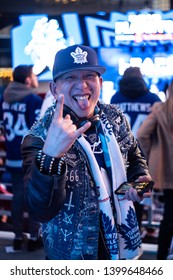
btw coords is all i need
(135, 100)
(20, 109)
(134, 97)
(156, 137)
(74, 158)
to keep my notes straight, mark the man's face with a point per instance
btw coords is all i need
(81, 89)
(33, 81)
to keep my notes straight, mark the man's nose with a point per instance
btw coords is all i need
(80, 83)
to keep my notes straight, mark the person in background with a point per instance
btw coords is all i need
(74, 158)
(20, 108)
(156, 137)
(134, 97)
(135, 100)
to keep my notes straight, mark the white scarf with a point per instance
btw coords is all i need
(121, 231)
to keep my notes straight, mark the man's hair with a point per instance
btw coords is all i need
(21, 72)
(132, 72)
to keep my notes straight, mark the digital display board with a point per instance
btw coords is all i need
(143, 39)
(156, 65)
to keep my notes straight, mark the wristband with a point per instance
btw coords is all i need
(50, 165)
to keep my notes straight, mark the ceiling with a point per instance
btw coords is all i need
(10, 9)
(59, 6)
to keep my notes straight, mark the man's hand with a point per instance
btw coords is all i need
(62, 132)
(132, 193)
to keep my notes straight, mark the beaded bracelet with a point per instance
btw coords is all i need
(49, 165)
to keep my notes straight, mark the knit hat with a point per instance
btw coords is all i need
(76, 57)
(132, 72)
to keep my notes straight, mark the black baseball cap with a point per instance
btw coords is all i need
(76, 57)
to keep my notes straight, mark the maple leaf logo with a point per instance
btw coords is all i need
(79, 56)
(130, 232)
(46, 39)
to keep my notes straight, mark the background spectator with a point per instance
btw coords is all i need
(156, 137)
(20, 107)
(135, 100)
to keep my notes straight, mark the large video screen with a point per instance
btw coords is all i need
(141, 39)
(155, 63)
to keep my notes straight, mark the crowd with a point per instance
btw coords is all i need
(67, 162)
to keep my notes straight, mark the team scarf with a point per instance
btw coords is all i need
(118, 218)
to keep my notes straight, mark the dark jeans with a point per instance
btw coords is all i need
(166, 226)
(18, 206)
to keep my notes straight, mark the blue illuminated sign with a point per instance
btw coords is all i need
(120, 39)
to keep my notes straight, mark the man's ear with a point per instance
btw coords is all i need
(28, 81)
(101, 81)
(52, 87)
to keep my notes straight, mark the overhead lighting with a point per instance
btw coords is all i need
(57, 1)
(6, 73)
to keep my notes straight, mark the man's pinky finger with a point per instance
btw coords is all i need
(82, 129)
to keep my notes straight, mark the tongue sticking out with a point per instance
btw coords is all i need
(83, 103)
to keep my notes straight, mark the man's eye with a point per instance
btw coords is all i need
(69, 78)
(90, 76)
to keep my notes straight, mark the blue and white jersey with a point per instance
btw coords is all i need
(17, 119)
(135, 100)
(136, 110)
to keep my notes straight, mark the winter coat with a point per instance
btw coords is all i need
(19, 109)
(156, 141)
(135, 100)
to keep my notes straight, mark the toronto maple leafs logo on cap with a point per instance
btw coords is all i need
(79, 56)
(76, 57)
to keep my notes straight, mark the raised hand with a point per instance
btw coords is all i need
(62, 132)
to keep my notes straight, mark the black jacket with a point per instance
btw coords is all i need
(47, 196)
